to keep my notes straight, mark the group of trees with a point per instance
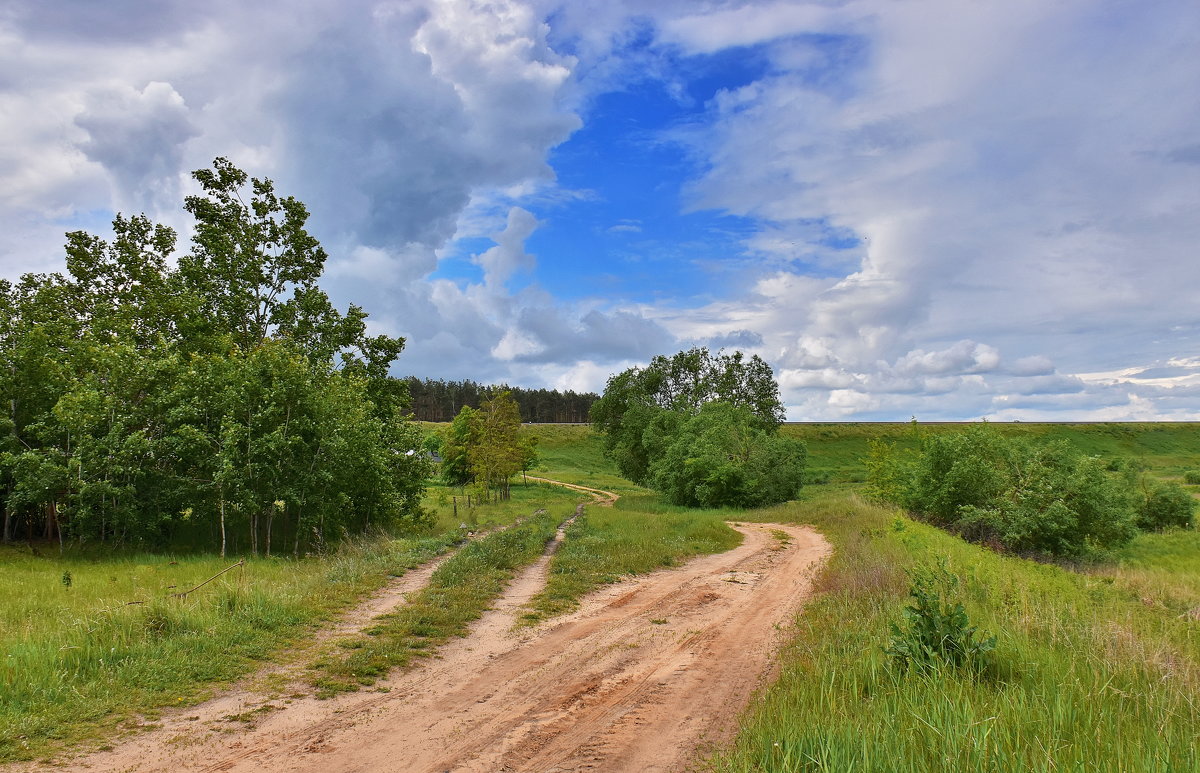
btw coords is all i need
(1037, 498)
(487, 447)
(222, 402)
(701, 428)
(437, 400)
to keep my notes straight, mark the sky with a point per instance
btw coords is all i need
(932, 208)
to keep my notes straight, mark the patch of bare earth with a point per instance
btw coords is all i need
(647, 675)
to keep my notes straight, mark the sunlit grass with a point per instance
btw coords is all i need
(609, 544)
(458, 593)
(1085, 675)
(114, 643)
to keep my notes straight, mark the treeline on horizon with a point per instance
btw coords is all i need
(216, 400)
(438, 400)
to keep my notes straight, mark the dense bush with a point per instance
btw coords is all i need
(1164, 506)
(1192, 478)
(1028, 498)
(720, 458)
(702, 429)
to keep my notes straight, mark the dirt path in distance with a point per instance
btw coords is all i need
(646, 675)
(599, 496)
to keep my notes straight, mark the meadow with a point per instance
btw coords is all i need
(1096, 666)
(94, 642)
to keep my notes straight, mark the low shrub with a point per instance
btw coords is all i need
(937, 631)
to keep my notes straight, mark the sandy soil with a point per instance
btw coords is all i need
(648, 674)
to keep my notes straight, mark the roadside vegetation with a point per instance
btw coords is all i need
(1032, 498)
(638, 535)
(95, 641)
(459, 592)
(1090, 671)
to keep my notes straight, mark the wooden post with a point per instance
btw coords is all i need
(455, 507)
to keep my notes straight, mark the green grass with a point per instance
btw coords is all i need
(82, 659)
(1087, 675)
(525, 498)
(77, 661)
(638, 536)
(574, 453)
(459, 592)
(837, 451)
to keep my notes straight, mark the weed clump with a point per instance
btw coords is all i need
(937, 631)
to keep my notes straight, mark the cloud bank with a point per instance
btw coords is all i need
(953, 210)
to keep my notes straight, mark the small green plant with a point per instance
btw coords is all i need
(937, 631)
(1192, 477)
(66, 579)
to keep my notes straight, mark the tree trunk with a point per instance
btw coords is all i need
(270, 520)
(221, 507)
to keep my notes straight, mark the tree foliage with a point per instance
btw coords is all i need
(437, 400)
(702, 429)
(486, 446)
(223, 403)
(635, 399)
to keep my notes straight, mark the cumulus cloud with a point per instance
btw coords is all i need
(138, 137)
(957, 210)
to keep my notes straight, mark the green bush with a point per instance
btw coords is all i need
(936, 631)
(719, 458)
(1028, 498)
(1166, 505)
(1192, 478)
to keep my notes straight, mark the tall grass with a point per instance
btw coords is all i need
(1085, 676)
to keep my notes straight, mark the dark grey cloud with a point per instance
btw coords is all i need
(138, 137)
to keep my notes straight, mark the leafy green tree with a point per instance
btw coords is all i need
(702, 429)
(224, 402)
(682, 383)
(496, 454)
(721, 458)
(457, 441)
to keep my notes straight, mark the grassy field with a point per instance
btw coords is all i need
(1092, 671)
(94, 641)
(836, 451)
(1095, 669)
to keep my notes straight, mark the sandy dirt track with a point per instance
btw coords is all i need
(646, 675)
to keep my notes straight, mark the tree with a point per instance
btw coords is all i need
(457, 442)
(701, 429)
(496, 454)
(682, 384)
(721, 458)
(225, 402)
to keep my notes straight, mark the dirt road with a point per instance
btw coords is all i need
(648, 673)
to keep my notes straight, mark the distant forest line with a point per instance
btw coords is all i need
(437, 400)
